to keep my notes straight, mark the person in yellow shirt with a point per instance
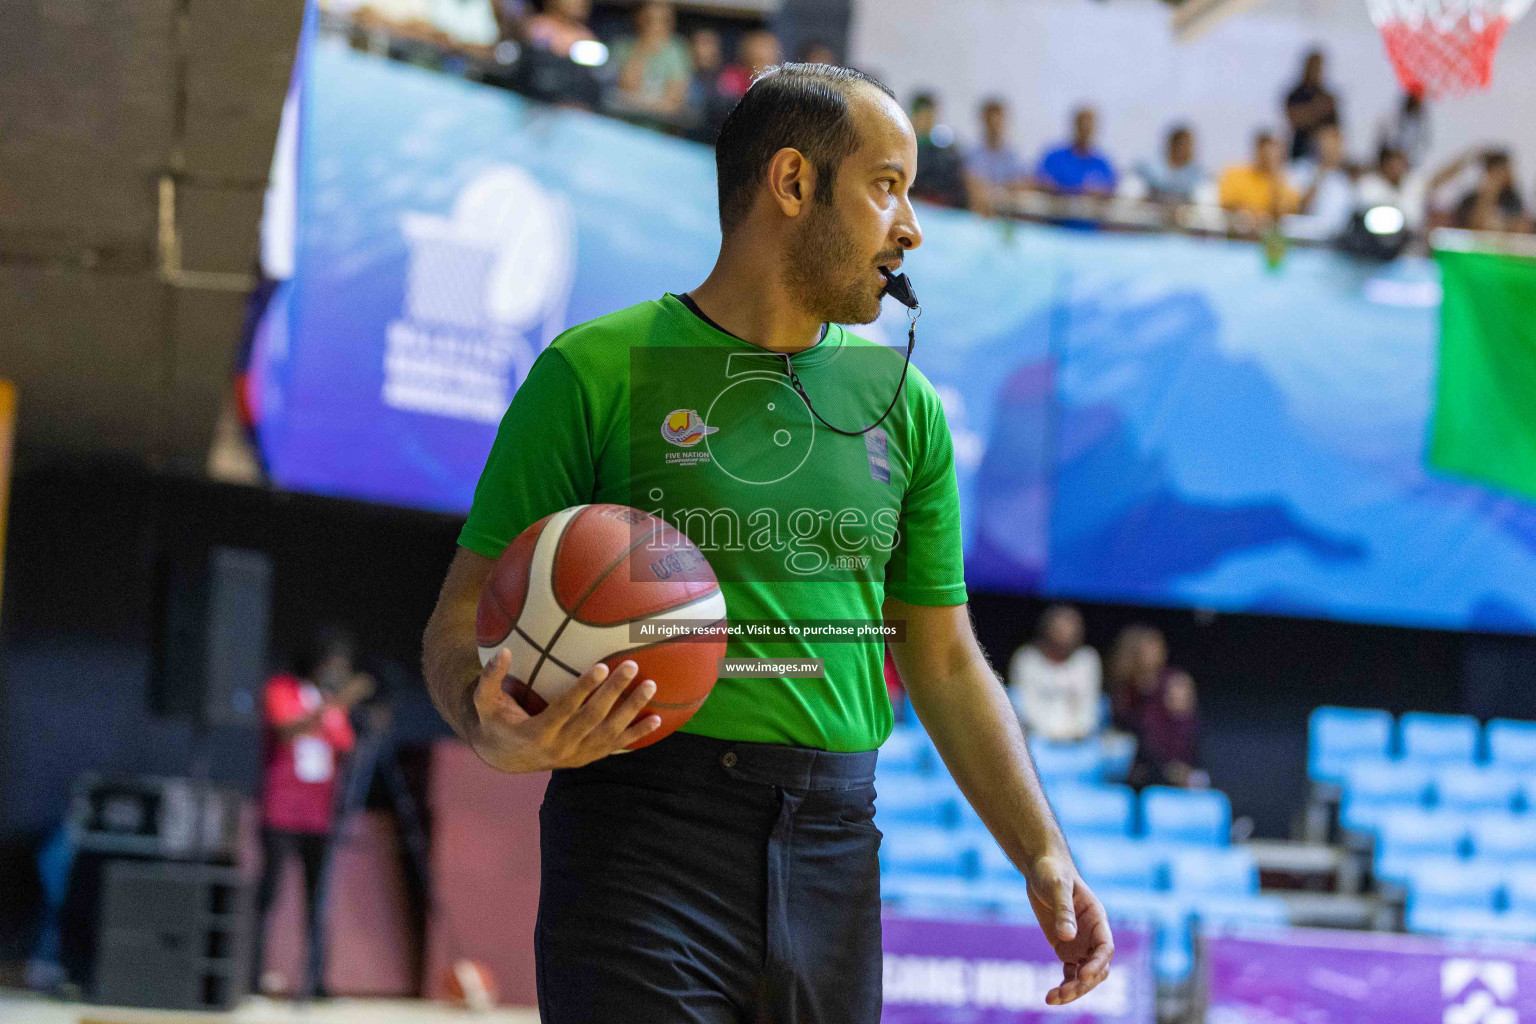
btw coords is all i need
(1259, 190)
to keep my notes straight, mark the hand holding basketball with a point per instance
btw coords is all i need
(592, 719)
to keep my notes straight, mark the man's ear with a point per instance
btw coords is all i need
(791, 181)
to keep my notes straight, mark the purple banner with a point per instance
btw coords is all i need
(1363, 978)
(983, 972)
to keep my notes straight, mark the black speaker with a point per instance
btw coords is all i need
(172, 936)
(211, 637)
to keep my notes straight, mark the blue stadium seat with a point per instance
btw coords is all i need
(1520, 889)
(994, 864)
(1093, 810)
(1399, 868)
(909, 800)
(928, 851)
(1511, 744)
(1456, 921)
(1442, 882)
(1337, 736)
(1119, 864)
(934, 896)
(1423, 833)
(1010, 895)
(1173, 953)
(1379, 781)
(1363, 815)
(1224, 871)
(1118, 751)
(1502, 838)
(1169, 919)
(1215, 912)
(1201, 816)
(1438, 739)
(1516, 927)
(1139, 906)
(1410, 836)
(1059, 761)
(1474, 788)
(907, 749)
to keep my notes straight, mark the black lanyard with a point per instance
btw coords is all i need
(899, 288)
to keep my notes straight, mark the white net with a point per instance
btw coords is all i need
(1444, 47)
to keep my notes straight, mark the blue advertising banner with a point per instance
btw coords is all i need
(1145, 419)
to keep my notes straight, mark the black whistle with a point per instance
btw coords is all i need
(899, 288)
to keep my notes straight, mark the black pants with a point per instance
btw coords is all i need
(708, 881)
(276, 845)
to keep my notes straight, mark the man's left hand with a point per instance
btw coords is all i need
(1074, 921)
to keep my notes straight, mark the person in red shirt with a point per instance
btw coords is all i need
(758, 50)
(306, 733)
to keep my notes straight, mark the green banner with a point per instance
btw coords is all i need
(1485, 403)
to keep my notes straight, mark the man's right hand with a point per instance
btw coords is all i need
(593, 719)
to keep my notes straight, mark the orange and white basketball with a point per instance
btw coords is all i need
(576, 587)
(470, 984)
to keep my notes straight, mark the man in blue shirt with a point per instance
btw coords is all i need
(1078, 166)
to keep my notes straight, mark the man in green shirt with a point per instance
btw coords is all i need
(730, 871)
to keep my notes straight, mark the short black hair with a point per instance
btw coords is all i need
(993, 103)
(322, 642)
(1174, 131)
(794, 106)
(924, 101)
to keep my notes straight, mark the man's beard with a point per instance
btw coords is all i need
(825, 273)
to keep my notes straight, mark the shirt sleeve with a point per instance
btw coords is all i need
(541, 461)
(337, 727)
(927, 566)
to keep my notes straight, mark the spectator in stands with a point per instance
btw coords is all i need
(654, 65)
(561, 25)
(1259, 191)
(512, 19)
(1055, 683)
(1310, 105)
(1156, 703)
(1326, 189)
(1493, 204)
(1077, 166)
(706, 104)
(1177, 176)
(940, 168)
(1394, 182)
(817, 52)
(759, 49)
(994, 172)
(306, 733)
(1406, 129)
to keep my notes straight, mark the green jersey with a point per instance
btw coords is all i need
(655, 407)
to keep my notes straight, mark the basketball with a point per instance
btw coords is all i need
(581, 585)
(470, 984)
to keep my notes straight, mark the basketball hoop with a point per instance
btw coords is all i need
(1444, 47)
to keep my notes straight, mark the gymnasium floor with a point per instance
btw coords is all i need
(22, 1008)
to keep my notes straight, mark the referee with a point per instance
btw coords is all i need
(729, 873)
